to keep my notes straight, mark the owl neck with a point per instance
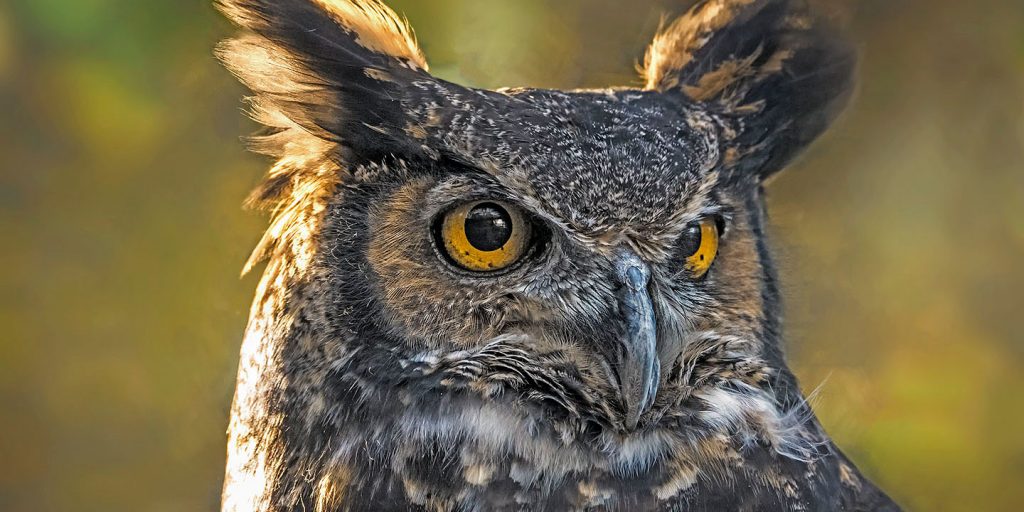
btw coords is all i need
(273, 389)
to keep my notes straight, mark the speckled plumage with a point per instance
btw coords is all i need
(374, 376)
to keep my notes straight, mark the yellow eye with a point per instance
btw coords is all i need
(699, 245)
(485, 236)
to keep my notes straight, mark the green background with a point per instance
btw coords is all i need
(901, 237)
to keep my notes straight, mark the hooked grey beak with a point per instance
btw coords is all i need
(639, 369)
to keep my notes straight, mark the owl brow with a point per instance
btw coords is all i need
(512, 182)
(701, 201)
(464, 183)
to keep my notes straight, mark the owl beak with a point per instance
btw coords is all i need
(639, 368)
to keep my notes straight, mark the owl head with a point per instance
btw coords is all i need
(595, 255)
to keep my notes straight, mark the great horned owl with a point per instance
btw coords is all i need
(527, 299)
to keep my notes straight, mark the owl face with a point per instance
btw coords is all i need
(575, 221)
(603, 235)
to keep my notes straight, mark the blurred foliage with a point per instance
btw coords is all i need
(901, 237)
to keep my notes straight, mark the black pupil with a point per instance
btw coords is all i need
(690, 241)
(488, 227)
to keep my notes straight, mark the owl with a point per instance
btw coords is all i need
(526, 299)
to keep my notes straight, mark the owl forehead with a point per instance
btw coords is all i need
(596, 159)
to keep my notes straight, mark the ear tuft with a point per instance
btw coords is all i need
(332, 84)
(774, 75)
(328, 67)
(371, 24)
(378, 28)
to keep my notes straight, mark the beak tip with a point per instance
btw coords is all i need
(631, 422)
(636, 409)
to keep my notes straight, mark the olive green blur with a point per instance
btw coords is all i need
(900, 237)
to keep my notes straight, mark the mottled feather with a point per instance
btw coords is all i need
(375, 375)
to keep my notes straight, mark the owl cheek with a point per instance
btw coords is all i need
(420, 303)
(398, 262)
(737, 291)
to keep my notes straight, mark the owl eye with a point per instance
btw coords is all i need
(485, 236)
(699, 246)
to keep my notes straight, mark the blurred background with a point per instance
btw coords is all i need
(901, 237)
